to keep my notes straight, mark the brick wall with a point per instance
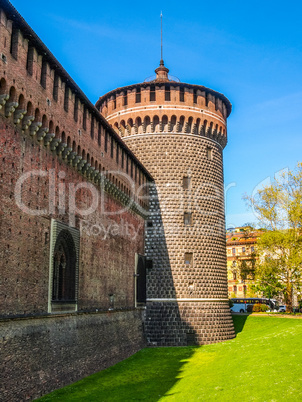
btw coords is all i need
(53, 151)
(42, 354)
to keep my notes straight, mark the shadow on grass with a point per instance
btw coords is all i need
(146, 376)
(239, 322)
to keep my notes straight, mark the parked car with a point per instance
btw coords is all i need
(282, 309)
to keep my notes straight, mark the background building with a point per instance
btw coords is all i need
(241, 245)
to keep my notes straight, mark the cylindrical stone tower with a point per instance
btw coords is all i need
(178, 131)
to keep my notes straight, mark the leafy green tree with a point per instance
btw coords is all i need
(279, 209)
(247, 267)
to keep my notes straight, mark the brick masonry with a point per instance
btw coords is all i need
(41, 354)
(179, 131)
(54, 138)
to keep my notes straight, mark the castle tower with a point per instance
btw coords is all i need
(178, 131)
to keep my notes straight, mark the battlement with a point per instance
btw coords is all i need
(166, 106)
(41, 99)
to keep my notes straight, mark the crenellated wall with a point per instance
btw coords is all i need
(42, 99)
(166, 107)
(63, 172)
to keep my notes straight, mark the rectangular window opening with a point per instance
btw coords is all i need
(138, 95)
(189, 258)
(14, 42)
(181, 94)
(125, 99)
(76, 108)
(186, 182)
(112, 147)
(106, 141)
(43, 73)
(30, 60)
(209, 153)
(85, 118)
(152, 93)
(167, 93)
(66, 98)
(55, 87)
(187, 218)
(195, 95)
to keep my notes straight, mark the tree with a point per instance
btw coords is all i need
(279, 263)
(247, 267)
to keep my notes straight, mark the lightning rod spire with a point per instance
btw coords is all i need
(161, 39)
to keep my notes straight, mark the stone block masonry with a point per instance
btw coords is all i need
(178, 131)
(39, 355)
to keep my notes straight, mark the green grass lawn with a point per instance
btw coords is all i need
(263, 363)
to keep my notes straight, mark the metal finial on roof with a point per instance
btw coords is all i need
(161, 39)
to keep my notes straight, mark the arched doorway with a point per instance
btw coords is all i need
(64, 268)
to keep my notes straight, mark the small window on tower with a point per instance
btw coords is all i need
(186, 182)
(209, 153)
(195, 95)
(114, 102)
(152, 93)
(187, 218)
(125, 99)
(189, 258)
(167, 93)
(138, 95)
(181, 94)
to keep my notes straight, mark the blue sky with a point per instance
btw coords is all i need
(249, 51)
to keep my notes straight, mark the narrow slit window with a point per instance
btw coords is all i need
(167, 93)
(189, 259)
(92, 128)
(186, 182)
(14, 42)
(76, 108)
(152, 93)
(181, 94)
(195, 95)
(106, 141)
(138, 95)
(66, 98)
(85, 118)
(43, 73)
(112, 147)
(30, 60)
(55, 87)
(209, 153)
(125, 99)
(187, 219)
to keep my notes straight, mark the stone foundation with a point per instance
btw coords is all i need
(39, 355)
(188, 323)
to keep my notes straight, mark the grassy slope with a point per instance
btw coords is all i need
(263, 363)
